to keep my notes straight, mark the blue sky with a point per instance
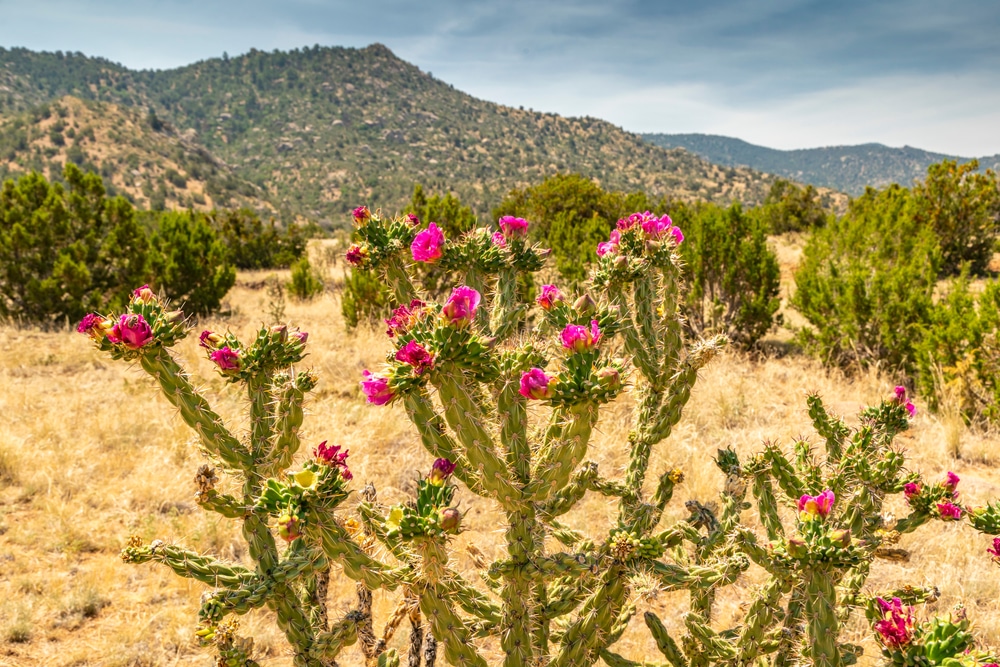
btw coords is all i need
(781, 73)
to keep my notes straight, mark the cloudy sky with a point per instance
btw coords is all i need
(781, 73)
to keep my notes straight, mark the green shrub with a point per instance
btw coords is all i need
(963, 208)
(66, 250)
(866, 283)
(305, 283)
(733, 276)
(959, 354)
(790, 208)
(189, 262)
(252, 244)
(365, 298)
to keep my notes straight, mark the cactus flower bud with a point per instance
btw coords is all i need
(300, 336)
(949, 511)
(94, 325)
(901, 399)
(440, 471)
(356, 255)
(412, 219)
(279, 332)
(210, 340)
(841, 537)
(450, 519)
(511, 226)
(461, 307)
(535, 385)
(305, 478)
(498, 240)
(426, 246)
(813, 507)
(621, 262)
(797, 547)
(174, 316)
(610, 246)
(289, 528)
(550, 296)
(144, 294)
(581, 339)
(335, 458)
(132, 331)
(609, 378)
(911, 490)
(227, 359)
(376, 389)
(585, 305)
(361, 215)
(414, 354)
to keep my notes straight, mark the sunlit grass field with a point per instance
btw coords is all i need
(90, 453)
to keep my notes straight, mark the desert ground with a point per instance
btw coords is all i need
(91, 453)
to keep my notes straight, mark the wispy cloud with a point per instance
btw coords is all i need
(785, 73)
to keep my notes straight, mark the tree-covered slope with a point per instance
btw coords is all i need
(845, 168)
(321, 130)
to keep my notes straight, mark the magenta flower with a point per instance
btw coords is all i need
(144, 294)
(209, 340)
(949, 511)
(361, 215)
(440, 471)
(611, 245)
(654, 227)
(994, 550)
(499, 240)
(678, 235)
(301, 336)
(633, 220)
(403, 317)
(811, 507)
(376, 389)
(549, 297)
(900, 398)
(535, 385)
(896, 627)
(951, 483)
(333, 457)
(900, 393)
(511, 226)
(461, 306)
(227, 359)
(911, 490)
(426, 246)
(356, 255)
(94, 325)
(579, 338)
(412, 219)
(414, 354)
(132, 331)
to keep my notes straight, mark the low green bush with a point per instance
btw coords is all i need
(305, 283)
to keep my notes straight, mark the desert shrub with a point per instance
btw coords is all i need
(963, 208)
(866, 282)
(792, 208)
(365, 298)
(189, 262)
(66, 250)
(733, 276)
(252, 244)
(959, 351)
(305, 283)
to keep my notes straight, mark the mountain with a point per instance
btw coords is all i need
(845, 168)
(320, 130)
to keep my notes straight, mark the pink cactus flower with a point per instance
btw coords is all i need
(132, 331)
(896, 627)
(535, 385)
(94, 325)
(440, 471)
(499, 240)
(656, 228)
(144, 294)
(549, 297)
(333, 457)
(611, 245)
(451, 518)
(414, 354)
(949, 511)
(678, 235)
(461, 307)
(227, 359)
(633, 220)
(361, 215)
(426, 246)
(210, 340)
(951, 481)
(579, 338)
(911, 490)
(412, 219)
(994, 550)
(301, 336)
(376, 389)
(812, 507)
(511, 226)
(900, 398)
(356, 255)
(403, 317)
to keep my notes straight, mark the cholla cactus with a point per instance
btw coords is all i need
(292, 581)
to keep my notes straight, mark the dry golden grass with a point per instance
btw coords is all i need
(91, 453)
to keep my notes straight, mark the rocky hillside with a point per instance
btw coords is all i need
(845, 168)
(320, 130)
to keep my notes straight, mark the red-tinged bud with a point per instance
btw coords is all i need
(279, 332)
(451, 518)
(585, 305)
(289, 528)
(841, 537)
(361, 215)
(440, 471)
(174, 317)
(144, 294)
(609, 378)
(210, 340)
(621, 262)
(797, 548)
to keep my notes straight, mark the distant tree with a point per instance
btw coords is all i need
(791, 208)
(252, 244)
